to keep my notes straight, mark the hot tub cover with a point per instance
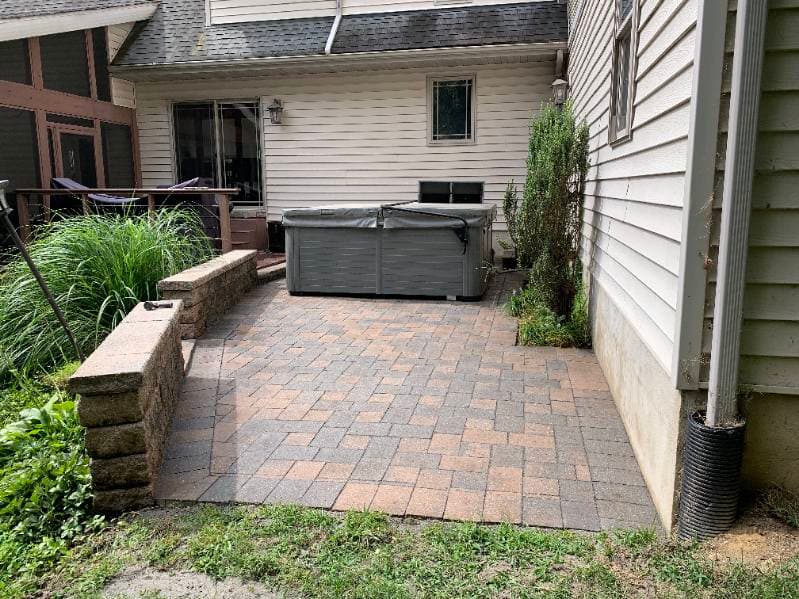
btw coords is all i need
(367, 216)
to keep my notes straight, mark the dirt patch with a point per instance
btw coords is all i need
(147, 582)
(757, 539)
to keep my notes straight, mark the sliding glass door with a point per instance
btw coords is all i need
(220, 142)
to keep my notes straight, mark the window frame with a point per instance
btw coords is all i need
(621, 29)
(431, 80)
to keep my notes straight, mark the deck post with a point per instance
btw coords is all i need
(84, 200)
(24, 217)
(151, 205)
(223, 204)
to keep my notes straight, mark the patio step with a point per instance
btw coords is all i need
(270, 273)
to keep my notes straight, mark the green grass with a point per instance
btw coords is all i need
(540, 326)
(98, 268)
(781, 504)
(313, 553)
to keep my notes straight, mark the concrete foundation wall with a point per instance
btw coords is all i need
(771, 450)
(652, 410)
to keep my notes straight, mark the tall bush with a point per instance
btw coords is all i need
(545, 222)
(98, 268)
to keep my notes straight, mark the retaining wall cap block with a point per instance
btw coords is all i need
(121, 361)
(196, 276)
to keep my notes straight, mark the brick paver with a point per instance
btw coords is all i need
(411, 407)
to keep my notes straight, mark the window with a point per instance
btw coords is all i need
(219, 142)
(117, 155)
(101, 76)
(451, 110)
(65, 66)
(450, 192)
(15, 62)
(623, 76)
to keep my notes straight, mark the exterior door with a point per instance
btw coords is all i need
(77, 157)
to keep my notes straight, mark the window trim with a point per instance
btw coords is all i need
(431, 79)
(620, 29)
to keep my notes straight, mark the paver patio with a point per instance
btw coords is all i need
(411, 407)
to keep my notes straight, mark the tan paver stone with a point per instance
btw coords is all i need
(501, 506)
(354, 442)
(336, 472)
(274, 468)
(298, 439)
(504, 478)
(463, 463)
(355, 496)
(427, 502)
(434, 479)
(534, 486)
(391, 499)
(464, 505)
(304, 470)
(401, 474)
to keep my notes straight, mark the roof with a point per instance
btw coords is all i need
(530, 22)
(20, 9)
(176, 33)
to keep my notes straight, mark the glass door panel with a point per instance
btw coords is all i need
(195, 142)
(77, 158)
(241, 150)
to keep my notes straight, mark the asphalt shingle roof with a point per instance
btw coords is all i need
(453, 27)
(18, 9)
(176, 33)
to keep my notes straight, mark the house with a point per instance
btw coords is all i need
(379, 101)
(306, 103)
(654, 82)
(61, 113)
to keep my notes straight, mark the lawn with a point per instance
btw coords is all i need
(313, 553)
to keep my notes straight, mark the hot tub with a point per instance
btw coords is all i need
(440, 250)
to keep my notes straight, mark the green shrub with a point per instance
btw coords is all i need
(545, 224)
(44, 492)
(98, 268)
(539, 325)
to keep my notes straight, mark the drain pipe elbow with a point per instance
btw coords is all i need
(331, 37)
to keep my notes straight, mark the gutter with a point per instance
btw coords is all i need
(736, 210)
(334, 29)
(698, 193)
(344, 59)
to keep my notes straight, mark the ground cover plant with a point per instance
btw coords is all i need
(98, 268)
(45, 497)
(313, 553)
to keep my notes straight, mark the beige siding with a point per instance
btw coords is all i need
(634, 192)
(237, 11)
(770, 334)
(363, 136)
(122, 91)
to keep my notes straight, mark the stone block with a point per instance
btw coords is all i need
(112, 441)
(121, 472)
(119, 500)
(109, 409)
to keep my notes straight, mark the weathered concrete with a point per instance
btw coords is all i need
(209, 289)
(127, 390)
(771, 450)
(651, 408)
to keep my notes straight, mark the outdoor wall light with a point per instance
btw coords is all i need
(560, 90)
(275, 111)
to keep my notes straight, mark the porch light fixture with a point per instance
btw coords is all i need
(560, 90)
(275, 111)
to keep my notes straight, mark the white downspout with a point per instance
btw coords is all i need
(747, 66)
(334, 29)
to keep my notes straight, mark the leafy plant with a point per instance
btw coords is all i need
(545, 224)
(98, 267)
(45, 495)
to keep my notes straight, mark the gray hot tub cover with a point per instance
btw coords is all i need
(367, 216)
(351, 216)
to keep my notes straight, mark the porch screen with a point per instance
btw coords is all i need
(19, 153)
(220, 142)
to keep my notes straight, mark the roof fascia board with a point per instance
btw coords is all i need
(13, 29)
(398, 57)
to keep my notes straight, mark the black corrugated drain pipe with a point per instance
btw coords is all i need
(711, 478)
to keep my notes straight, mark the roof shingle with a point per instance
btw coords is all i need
(19, 9)
(177, 33)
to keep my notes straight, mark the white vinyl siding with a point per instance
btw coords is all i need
(122, 91)
(634, 192)
(362, 136)
(239, 11)
(770, 332)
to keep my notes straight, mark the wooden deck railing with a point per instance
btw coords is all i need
(222, 196)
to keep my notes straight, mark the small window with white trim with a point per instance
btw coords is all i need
(623, 77)
(451, 109)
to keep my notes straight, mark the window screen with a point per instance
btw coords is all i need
(623, 75)
(19, 153)
(102, 79)
(15, 62)
(450, 192)
(451, 108)
(65, 67)
(117, 155)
